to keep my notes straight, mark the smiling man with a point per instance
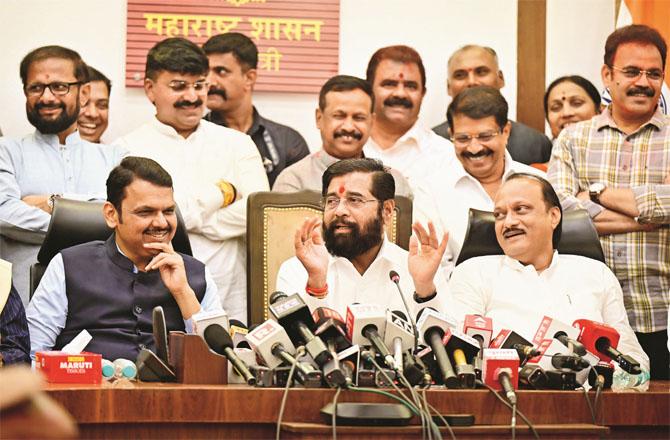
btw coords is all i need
(344, 119)
(110, 288)
(345, 257)
(532, 279)
(214, 168)
(617, 166)
(52, 162)
(397, 137)
(94, 115)
(478, 120)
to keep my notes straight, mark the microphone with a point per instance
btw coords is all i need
(331, 328)
(238, 331)
(567, 335)
(160, 334)
(511, 339)
(554, 355)
(293, 314)
(500, 371)
(533, 376)
(395, 278)
(399, 335)
(365, 322)
(272, 343)
(432, 326)
(462, 348)
(602, 375)
(220, 342)
(602, 339)
(481, 329)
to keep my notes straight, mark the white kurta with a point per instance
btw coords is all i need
(196, 164)
(516, 297)
(347, 286)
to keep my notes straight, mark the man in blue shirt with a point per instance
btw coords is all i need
(110, 288)
(51, 162)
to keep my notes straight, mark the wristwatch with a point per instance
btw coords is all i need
(595, 189)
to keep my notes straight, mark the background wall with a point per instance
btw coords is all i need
(576, 31)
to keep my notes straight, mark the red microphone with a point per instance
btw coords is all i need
(500, 371)
(602, 339)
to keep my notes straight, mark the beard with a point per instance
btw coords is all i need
(52, 126)
(356, 242)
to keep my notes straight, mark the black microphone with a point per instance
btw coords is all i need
(294, 315)
(238, 332)
(220, 342)
(393, 275)
(577, 347)
(364, 323)
(433, 326)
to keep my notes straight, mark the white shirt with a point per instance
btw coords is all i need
(454, 192)
(418, 154)
(196, 164)
(516, 297)
(346, 285)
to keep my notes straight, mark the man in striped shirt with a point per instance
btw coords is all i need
(617, 166)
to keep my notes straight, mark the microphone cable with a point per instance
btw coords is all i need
(333, 420)
(588, 403)
(440, 416)
(300, 351)
(507, 404)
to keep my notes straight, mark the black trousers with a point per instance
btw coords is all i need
(656, 346)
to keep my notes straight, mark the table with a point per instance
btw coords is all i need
(227, 411)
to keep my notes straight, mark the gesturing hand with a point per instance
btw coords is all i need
(311, 251)
(425, 254)
(171, 267)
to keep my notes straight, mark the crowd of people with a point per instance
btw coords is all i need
(207, 148)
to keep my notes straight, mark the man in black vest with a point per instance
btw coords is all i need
(110, 288)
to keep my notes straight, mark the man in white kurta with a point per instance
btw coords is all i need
(533, 280)
(350, 261)
(206, 162)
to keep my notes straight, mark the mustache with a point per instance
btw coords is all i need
(637, 90)
(159, 230)
(508, 231)
(480, 153)
(395, 101)
(353, 133)
(41, 105)
(215, 91)
(180, 104)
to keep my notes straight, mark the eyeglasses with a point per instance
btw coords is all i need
(331, 203)
(179, 86)
(463, 140)
(634, 73)
(57, 88)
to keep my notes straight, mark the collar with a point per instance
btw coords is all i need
(169, 130)
(416, 133)
(117, 257)
(518, 267)
(52, 139)
(605, 119)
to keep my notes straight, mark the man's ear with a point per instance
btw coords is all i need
(501, 79)
(250, 77)
(387, 211)
(149, 89)
(84, 94)
(606, 74)
(555, 214)
(318, 115)
(111, 215)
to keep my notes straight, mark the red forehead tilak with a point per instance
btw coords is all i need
(341, 189)
(401, 75)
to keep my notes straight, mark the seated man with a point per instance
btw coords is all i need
(14, 337)
(533, 280)
(477, 117)
(110, 288)
(358, 202)
(344, 118)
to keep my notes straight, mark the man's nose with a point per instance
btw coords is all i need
(160, 221)
(91, 110)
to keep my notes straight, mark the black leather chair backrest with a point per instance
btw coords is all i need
(75, 222)
(578, 237)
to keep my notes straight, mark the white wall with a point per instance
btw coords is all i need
(96, 29)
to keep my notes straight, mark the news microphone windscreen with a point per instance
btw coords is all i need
(393, 275)
(400, 314)
(323, 314)
(217, 338)
(275, 296)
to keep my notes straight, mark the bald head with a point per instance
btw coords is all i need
(472, 66)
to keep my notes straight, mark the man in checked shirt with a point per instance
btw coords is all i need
(617, 166)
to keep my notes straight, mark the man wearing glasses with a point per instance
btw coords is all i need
(477, 117)
(617, 166)
(214, 168)
(345, 257)
(52, 162)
